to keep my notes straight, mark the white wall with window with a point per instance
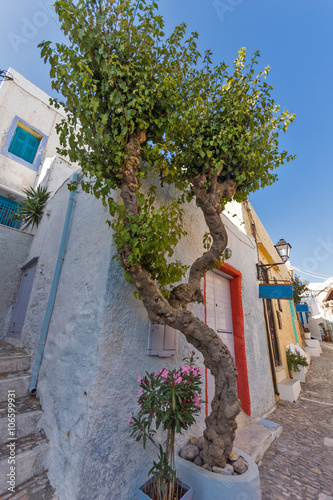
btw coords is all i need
(27, 134)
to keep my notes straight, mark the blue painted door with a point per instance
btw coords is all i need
(22, 300)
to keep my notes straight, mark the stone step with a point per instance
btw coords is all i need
(289, 389)
(11, 364)
(27, 416)
(10, 350)
(17, 382)
(30, 459)
(36, 488)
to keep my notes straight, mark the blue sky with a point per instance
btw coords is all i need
(295, 39)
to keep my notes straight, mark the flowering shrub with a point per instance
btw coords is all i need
(170, 399)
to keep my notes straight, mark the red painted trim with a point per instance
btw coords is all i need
(238, 330)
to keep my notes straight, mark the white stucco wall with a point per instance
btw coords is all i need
(14, 249)
(234, 212)
(97, 345)
(244, 259)
(54, 172)
(23, 99)
(321, 314)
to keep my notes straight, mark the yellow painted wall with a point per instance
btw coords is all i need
(268, 254)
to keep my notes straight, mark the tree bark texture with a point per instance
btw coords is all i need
(220, 424)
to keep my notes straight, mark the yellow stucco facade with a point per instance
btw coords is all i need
(281, 319)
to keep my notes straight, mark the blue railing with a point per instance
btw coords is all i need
(7, 210)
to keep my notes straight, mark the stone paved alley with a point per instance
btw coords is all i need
(299, 464)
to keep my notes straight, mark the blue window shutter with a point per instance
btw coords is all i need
(30, 150)
(24, 145)
(7, 210)
(17, 144)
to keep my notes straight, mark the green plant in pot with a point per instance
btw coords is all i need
(296, 358)
(170, 400)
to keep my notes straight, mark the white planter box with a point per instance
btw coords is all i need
(300, 375)
(210, 486)
(289, 390)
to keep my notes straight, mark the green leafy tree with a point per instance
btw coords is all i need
(142, 106)
(300, 287)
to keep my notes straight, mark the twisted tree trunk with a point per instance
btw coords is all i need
(220, 424)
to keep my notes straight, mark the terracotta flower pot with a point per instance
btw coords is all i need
(142, 496)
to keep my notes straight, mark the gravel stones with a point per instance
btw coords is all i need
(240, 465)
(200, 443)
(233, 456)
(193, 451)
(189, 451)
(198, 461)
(225, 471)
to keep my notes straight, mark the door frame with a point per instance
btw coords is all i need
(22, 298)
(238, 332)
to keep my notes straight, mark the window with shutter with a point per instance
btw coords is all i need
(24, 145)
(8, 208)
(162, 341)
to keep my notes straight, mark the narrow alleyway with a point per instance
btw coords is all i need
(299, 464)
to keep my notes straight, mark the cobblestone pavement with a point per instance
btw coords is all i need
(299, 464)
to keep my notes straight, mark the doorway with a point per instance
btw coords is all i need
(224, 314)
(22, 300)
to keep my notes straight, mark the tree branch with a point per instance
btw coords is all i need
(209, 200)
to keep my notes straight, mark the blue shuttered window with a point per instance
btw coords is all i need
(7, 208)
(24, 145)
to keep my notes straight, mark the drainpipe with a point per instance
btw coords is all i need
(53, 292)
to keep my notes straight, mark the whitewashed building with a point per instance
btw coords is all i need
(98, 334)
(28, 142)
(320, 316)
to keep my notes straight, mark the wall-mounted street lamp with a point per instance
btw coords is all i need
(283, 249)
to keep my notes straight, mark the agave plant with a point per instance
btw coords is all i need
(30, 211)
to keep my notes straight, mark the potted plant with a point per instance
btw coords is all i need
(297, 362)
(170, 400)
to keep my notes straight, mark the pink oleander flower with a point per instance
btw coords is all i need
(129, 421)
(165, 373)
(141, 391)
(140, 379)
(178, 379)
(197, 401)
(186, 370)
